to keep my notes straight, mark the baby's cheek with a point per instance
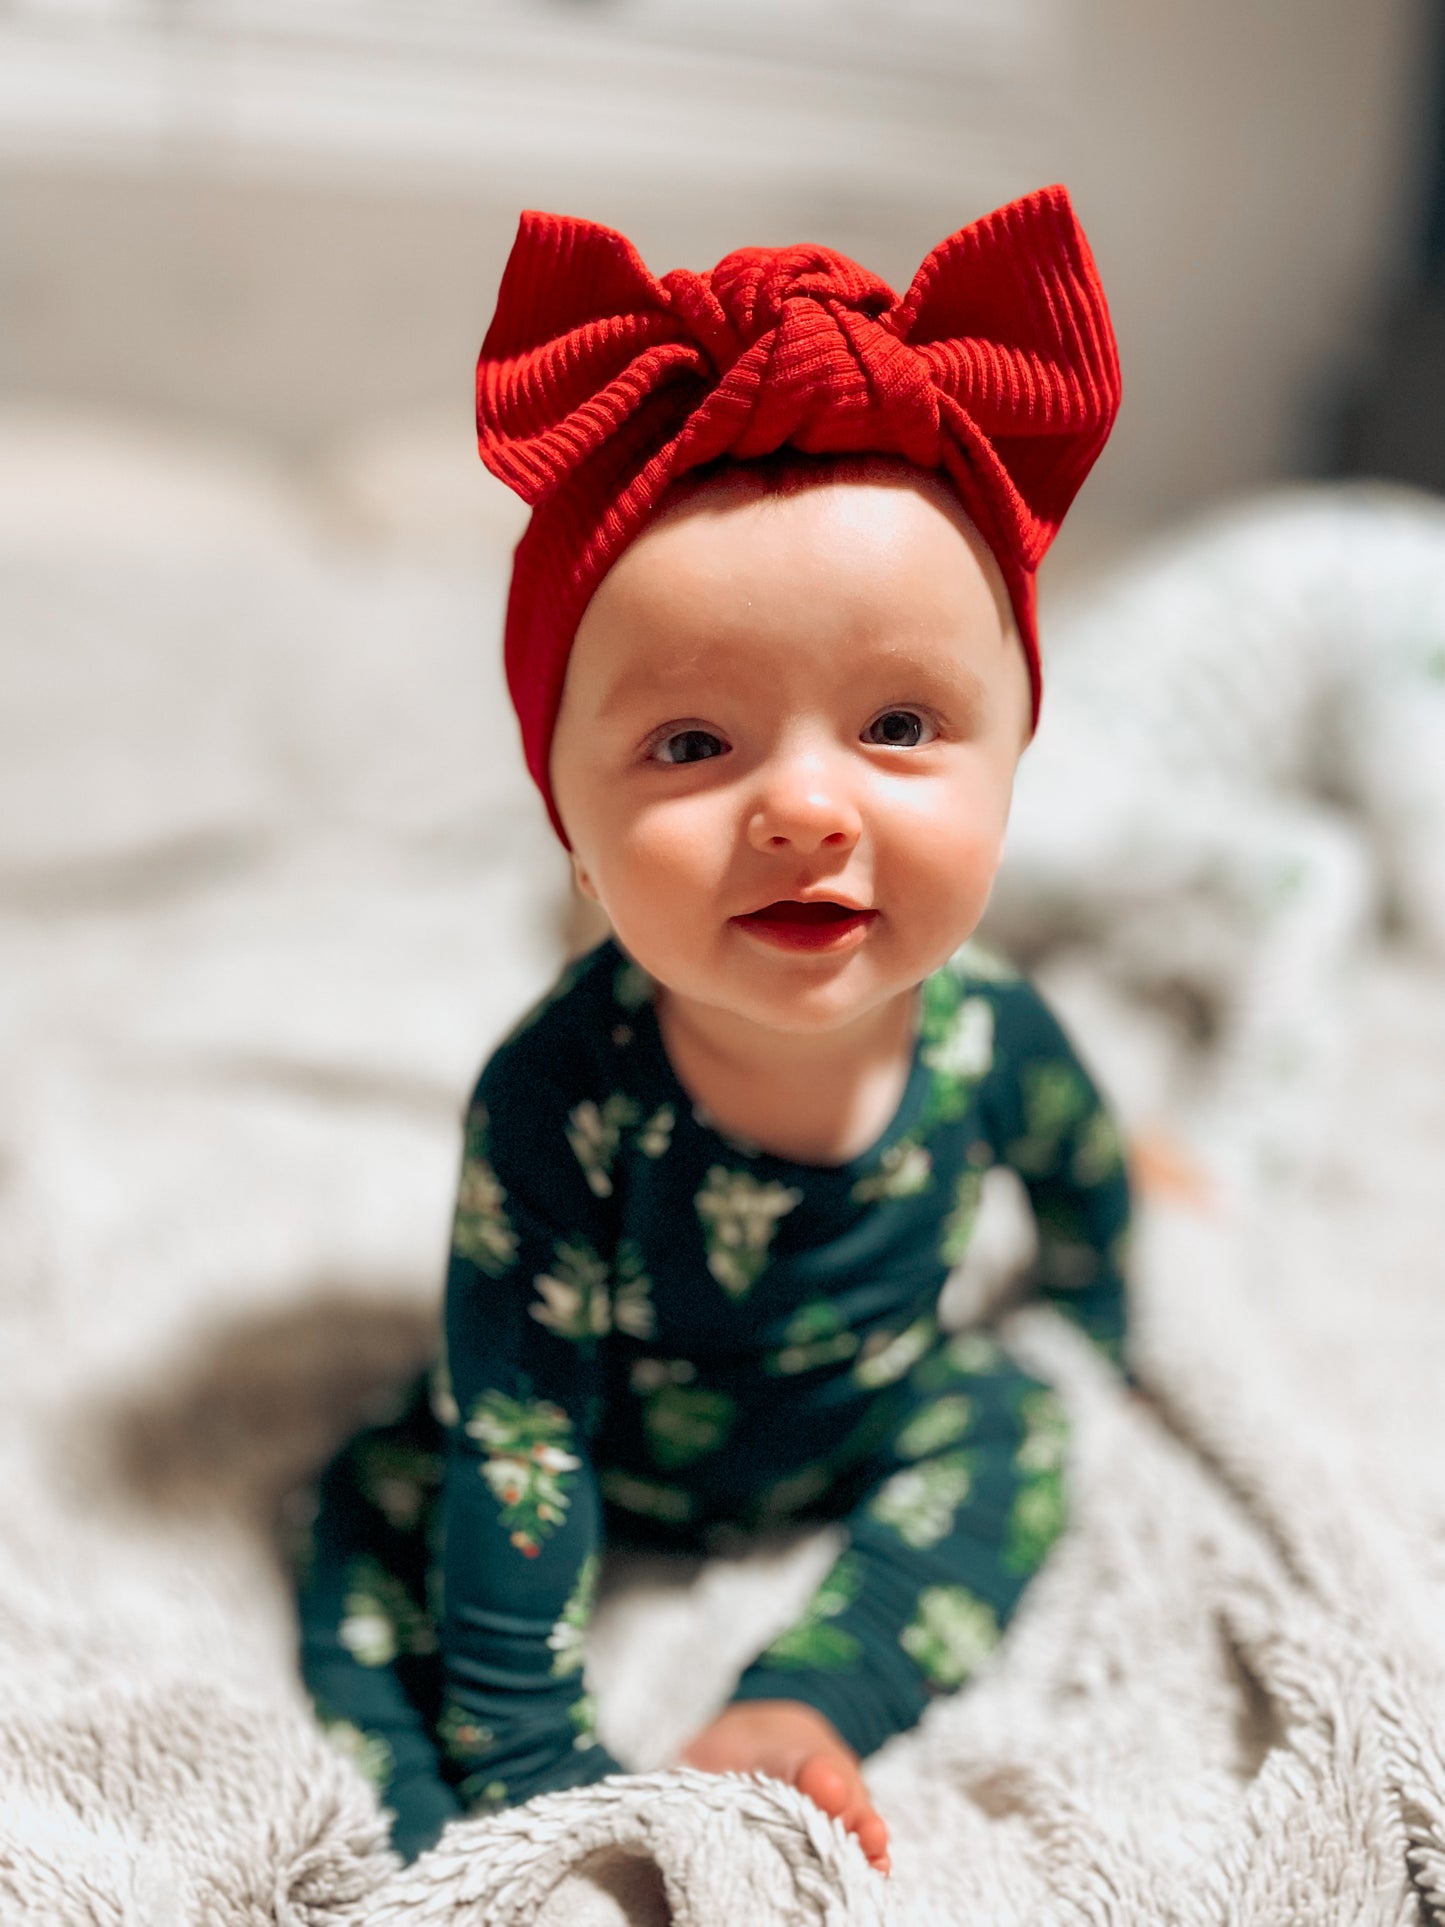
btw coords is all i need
(952, 872)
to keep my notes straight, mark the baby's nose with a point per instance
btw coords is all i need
(804, 805)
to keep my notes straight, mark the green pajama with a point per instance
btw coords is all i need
(654, 1331)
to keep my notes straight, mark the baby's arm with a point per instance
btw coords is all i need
(1047, 1121)
(526, 1303)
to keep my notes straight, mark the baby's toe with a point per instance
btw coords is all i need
(825, 1782)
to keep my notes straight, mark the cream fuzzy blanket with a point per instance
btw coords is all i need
(262, 907)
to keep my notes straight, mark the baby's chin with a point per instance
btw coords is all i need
(813, 1002)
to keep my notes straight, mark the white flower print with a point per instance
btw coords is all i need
(965, 1051)
(920, 1502)
(887, 1356)
(379, 1619)
(368, 1752)
(976, 960)
(481, 1230)
(575, 1302)
(594, 1133)
(904, 1169)
(632, 1310)
(950, 1635)
(528, 1466)
(941, 1422)
(655, 1137)
(739, 1216)
(647, 1374)
(567, 1637)
(578, 1302)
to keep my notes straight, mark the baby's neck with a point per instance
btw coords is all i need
(813, 1099)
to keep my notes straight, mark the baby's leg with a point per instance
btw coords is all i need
(368, 1641)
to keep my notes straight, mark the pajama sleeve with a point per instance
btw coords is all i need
(526, 1305)
(1047, 1122)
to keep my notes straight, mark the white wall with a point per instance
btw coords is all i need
(296, 228)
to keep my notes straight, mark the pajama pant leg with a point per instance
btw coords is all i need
(940, 1549)
(368, 1627)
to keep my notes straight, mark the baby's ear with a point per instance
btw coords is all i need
(580, 877)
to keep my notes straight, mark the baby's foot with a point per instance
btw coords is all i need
(792, 1742)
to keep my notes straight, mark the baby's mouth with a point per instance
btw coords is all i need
(816, 925)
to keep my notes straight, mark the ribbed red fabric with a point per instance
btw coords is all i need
(598, 384)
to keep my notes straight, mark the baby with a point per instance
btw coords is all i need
(771, 643)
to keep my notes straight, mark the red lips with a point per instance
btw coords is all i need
(791, 925)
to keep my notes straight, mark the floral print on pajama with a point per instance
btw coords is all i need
(653, 1331)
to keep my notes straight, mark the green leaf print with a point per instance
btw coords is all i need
(739, 1215)
(921, 1502)
(904, 1170)
(1046, 1432)
(481, 1231)
(462, 1737)
(967, 1354)
(941, 1422)
(1065, 1264)
(816, 1335)
(397, 1478)
(645, 1497)
(976, 960)
(1036, 1518)
(683, 1422)
(528, 1465)
(951, 1634)
(632, 1310)
(594, 1132)
(631, 985)
(973, 1353)
(443, 1403)
(1038, 1513)
(379, 1617)
(956, 1035)
(958, 1225)
(813, 1640)
(368, 1752)
(567, 1637)
(1055, 1097)
(480, 1793)
(888, 1356)
(788, 1495)
(575, 1300)
(583, 1715)
(1099, 1153)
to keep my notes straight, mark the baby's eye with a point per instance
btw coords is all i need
(688, 746)
(899, 729)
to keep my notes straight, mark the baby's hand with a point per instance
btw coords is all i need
(792, 1742)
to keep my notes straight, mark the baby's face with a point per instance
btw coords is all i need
(787, 744)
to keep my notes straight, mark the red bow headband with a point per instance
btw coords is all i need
(597, 385)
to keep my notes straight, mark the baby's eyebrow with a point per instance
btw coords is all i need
(652, 685)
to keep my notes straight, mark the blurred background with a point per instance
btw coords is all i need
(271, 880)
(285, 223)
